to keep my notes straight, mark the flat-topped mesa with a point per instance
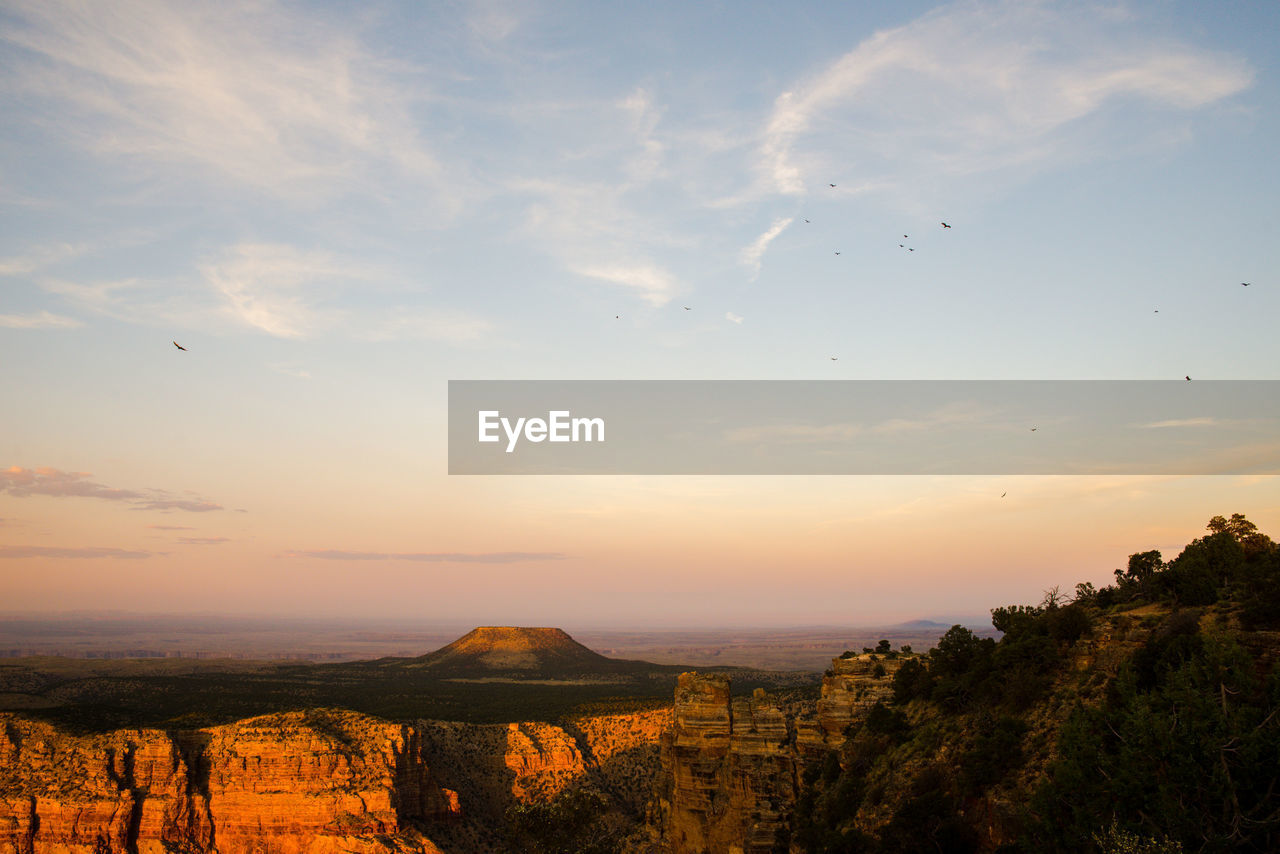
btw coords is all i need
(518, 649)
(514, 639)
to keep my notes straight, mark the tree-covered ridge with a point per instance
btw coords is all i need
(1140, 717)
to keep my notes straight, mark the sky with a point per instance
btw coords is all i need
(338, 208)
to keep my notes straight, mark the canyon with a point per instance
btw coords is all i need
(316, 782)
(711, 772)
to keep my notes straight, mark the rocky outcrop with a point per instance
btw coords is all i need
(127, 790)
(283, 782)
(313, 782)
(731, 770)
(543, 758)
(849, 689)
(731, 766)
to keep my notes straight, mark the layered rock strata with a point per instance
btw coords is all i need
(731, 766)
(307, 783)
(313, 782)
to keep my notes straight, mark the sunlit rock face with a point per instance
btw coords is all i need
(731, 766)
(731, 770)
(307, 782)
(282, 784)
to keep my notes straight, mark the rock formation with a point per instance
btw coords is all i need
(520, 652)
(731, 767)
(307, 783)
(313, 782)
(849, 689)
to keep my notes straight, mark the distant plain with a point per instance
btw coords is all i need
(319, 640)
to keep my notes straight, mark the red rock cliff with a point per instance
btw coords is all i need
(732, 766)
(313, 782)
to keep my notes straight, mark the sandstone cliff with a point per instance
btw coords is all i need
(312, 782)
(731, 767)
(308, 783)
(495, 766)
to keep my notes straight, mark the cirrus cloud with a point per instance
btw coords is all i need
(39, 320)
(430, 557)
(975, 87)
(23, 483)
(81, 553)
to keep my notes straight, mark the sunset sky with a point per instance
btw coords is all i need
(338, 208)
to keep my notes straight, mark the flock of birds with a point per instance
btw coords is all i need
(837, 252)
(837, 358)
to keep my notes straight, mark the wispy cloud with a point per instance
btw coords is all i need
(165, 303)
(267, 95)
(23, 482)
(38, 258)
(733, 318)
(39, 320)
(280, 289)
(1184, 422)
(203, 541)
(493, 21)
(645, 164)
(974, 87)
(754, 254)
(191, 505)
(87, 552)
(289, 292)
(171, 527)
(653, 284)
(951, 417)
(430, 557)
(590, 229)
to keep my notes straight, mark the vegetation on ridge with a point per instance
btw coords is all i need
(1141, 717)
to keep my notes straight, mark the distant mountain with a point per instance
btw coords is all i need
(524, 652)
(921, 625)
(971, 622)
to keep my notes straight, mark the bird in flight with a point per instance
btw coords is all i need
(1003, 494)
(1188, 379)
(179, 346)
(686, 308)
(910, 249)
(944, 225)
(904, 235)
(835, 358)
(1034, 429)
(837, 253)
(1246, 284)
(831, 185)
